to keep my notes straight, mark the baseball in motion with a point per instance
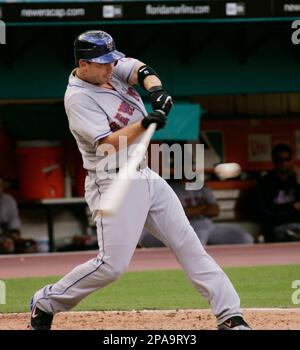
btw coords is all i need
(227, 170)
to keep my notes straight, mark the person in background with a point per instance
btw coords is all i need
(10, 223)
(200, 207)
(278, 197)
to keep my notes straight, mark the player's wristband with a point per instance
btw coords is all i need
(155, 89)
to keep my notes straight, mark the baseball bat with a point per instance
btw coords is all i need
(119, 187)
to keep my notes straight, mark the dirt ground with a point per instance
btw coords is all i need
(259, 319)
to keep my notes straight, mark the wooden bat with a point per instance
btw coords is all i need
(119, 187)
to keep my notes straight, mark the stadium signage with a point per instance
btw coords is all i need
(104, 11)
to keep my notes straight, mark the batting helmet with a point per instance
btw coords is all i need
(96, 46)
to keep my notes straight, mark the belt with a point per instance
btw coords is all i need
(112, 171)
(115, 170)
(109, 171)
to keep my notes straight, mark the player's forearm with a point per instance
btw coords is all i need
(131, 132)
(149, 82)
(148, 79)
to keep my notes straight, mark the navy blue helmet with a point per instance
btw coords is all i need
(96, 46)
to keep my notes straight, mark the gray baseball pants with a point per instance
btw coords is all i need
(151, 202)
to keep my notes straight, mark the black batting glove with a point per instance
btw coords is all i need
(160, 100)
(154, 117)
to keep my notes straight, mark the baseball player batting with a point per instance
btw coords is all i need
(102, 105)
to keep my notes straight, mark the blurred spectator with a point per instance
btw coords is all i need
(10, 225)
(278, 195)
(200, 206)
(9, 221)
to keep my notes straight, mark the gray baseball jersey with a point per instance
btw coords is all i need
(93, 113)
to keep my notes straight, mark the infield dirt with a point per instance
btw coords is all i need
(259, 319)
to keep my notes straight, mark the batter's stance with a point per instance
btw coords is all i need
(101, 105)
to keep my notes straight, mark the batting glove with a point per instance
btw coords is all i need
(160, 100)
(154, 117)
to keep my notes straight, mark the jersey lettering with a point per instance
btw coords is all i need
(126, 108)
(114, 126)
(122, 119)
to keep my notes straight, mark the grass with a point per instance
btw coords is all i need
(263, 286)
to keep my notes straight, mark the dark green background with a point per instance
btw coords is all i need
(192, 59)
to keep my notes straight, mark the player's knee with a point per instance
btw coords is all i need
(117, 271)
